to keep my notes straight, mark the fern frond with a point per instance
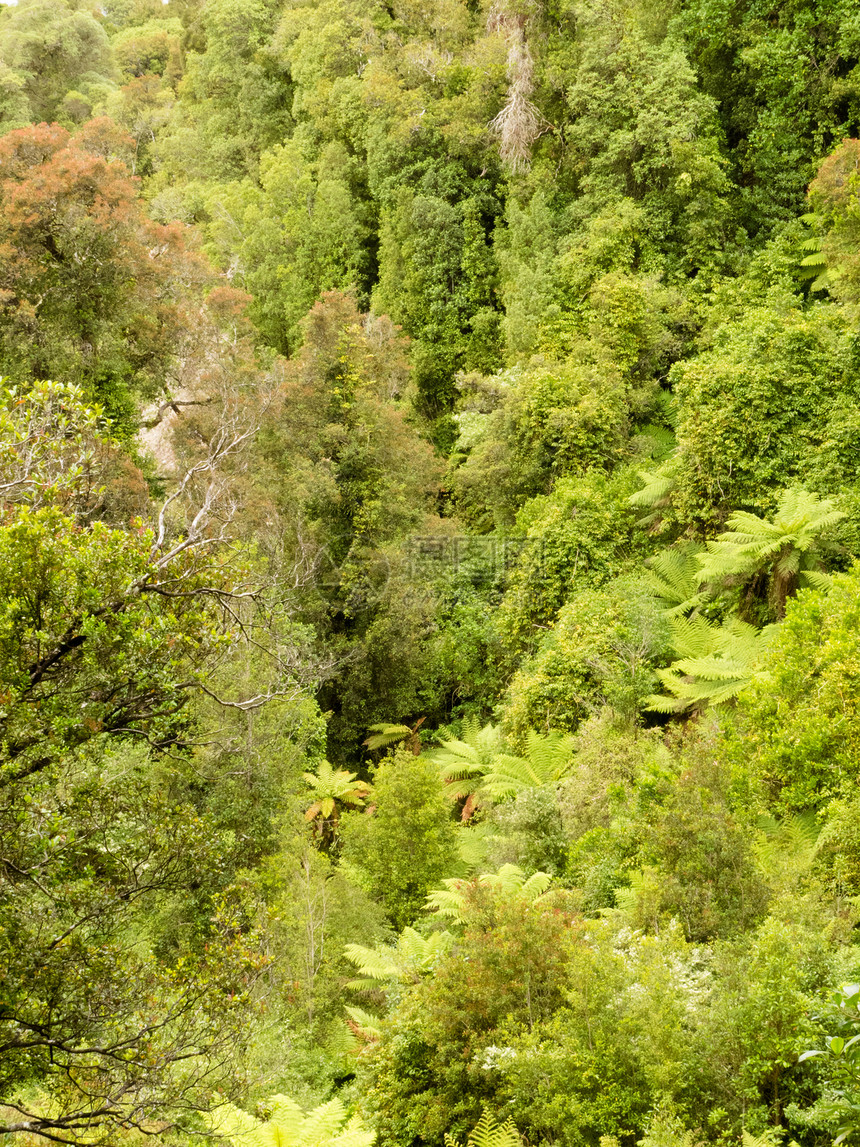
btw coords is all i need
(365, 1024)
(656, 489)
(788, 848)
(817, 579)
(473, 842)
(488, 1133)
(381, 736)
(726, 660)
(448, 901)
(290, 1126)
(379, 964)
(672, 578)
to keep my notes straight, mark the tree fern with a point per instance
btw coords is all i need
(787, 548)
(656, 493)
(463, 762)
(289, 1126)
(477, 763)
(788, 848)
(330, 787)
(488, 1133)
(510, 882)
(548, 758)
(410, 958)
(364, 1024)
(385, 735)
(717, 662)
(672, 576)
(813, 267)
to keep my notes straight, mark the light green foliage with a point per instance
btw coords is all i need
(787, 549)
(235, 90)
(292, 235)
(763, 984)
(714, 662)
(478, 764)
(578, 535)
(527, 831)
(841, 1059)
(694, 847)
(488, 1133)
(402, 847)
(672, 576)
(787, 98)
(752, 408)
(48, 48)
(464, 761)
(655, 140)
(289, 1126)
(510, 882)
(411, 957)
(332, 787)
(798, 717)
(101, 828)
(553, 421)
(602, 649)
(559, 242)
(149, 48)
(546, 760)
(833, 193)
(510, 972)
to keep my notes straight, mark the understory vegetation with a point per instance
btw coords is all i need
(430, 573)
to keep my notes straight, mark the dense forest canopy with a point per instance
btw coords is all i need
(429, 538)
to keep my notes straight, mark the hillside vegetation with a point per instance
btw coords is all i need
(429, 584)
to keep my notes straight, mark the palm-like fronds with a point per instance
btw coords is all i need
(476, 764)
(509, 882)
(717, 662)
(410, 958)
(488, 1133)
(789, 847)
(473, 844)
(672, 576)
(787, 547)
(548, 759)
(385, 735)
(463, 762)
(330, 787)
(364, 1024)
(656, 493)
(289, 1126)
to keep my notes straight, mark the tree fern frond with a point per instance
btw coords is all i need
(488, 1133)
(548, 758)
(365, 1024)
(290, 1126)
(817, 579)
(788, 847)
(473, 843)
(692, 636)
(449, 901)
(672, 578)
(783, 546)
(656, 489)
(726, 660)
(550, 754)
(378, 963)
(412, 956)
(384, 735)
